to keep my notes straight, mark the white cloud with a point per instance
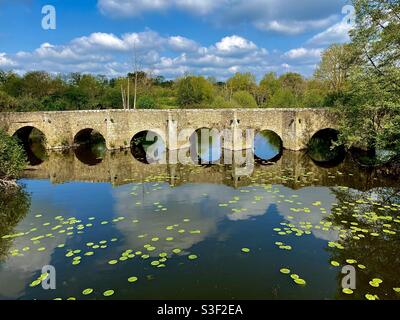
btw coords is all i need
(128, 8)
(303, 53)
(178, 43)
(170, 56)
(283, 16)
(294, 27)
(235, 44)
(338, 33)
(5, 62)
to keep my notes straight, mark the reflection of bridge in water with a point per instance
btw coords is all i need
(293, 169)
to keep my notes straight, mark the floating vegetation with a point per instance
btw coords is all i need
(108, 293)
(155, 227)
(87, 291)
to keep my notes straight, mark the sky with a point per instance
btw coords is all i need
(171, 38)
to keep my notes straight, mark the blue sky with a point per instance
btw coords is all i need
(172, 37)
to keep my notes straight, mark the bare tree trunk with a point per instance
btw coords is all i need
(128, 95)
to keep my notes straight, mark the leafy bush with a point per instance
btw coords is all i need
(12, 157)
(146, 102)
(220, 102)
(193, 91)
(244, 99)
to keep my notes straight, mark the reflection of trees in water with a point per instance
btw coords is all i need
(14, 205)
(268, 146)
(380, 254)
(322, 148)
(34, 143)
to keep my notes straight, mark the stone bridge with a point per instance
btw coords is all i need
(295, 127)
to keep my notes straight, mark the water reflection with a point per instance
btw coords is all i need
(206, 146)
(267, 146)
(90, 147)
(144, 213)
(323, 148)
(148, 147)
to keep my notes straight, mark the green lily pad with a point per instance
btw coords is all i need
(347, 291)
(108, 293)
(132, 279)
(87, 291)
(285, 271)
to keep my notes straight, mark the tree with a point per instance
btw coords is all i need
(335, 66)
(269, 85)
(369, 110)
(193, 91)
(377, 40)
(244, 99)
(12, 158)
(293, 82)
(241, 82)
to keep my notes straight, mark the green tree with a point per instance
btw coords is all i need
(12, 158)
(268, 86)
(193, 91)
(244, 99)
(241, 82)
(335, 66)
(369, 110)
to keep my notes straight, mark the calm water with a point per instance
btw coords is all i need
(100, 220)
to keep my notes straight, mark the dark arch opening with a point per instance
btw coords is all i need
(148, 147)
(34, 142)
(89, 146)
(323, 148)
(205, 146)
(268, 147)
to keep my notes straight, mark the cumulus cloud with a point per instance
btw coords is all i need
(338, 33)
(304, 54)
(283, 16)
(5, 61)
(170, 56)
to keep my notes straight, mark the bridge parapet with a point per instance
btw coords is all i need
(118, 127)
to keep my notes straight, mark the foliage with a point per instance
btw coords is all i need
(146, 102)
(369, 104)
(12, 157)
(194, 90)
(244, 99)
(14, 206)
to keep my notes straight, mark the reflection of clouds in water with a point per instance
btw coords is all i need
(205, 213)
(18, 272)
(307, 196)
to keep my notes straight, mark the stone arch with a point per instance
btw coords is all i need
(319, 148)
(213, 147)
(268, 145)
(149, 146)
(89, 146)
(34, 142)
(84, 135)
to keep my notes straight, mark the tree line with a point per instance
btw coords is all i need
(41, 91)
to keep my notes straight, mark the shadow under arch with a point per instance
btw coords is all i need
(268, 147)
(205, 146)
(148, 147)
(323, 151)
(34, 143)
(89, 146)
